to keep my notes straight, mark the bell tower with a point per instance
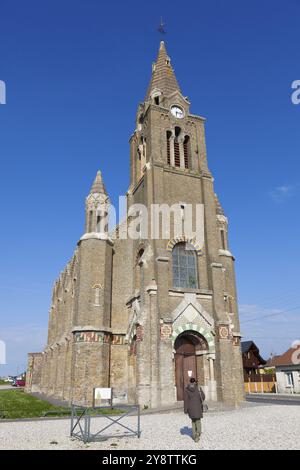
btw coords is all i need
(166, 133)
(169, 167)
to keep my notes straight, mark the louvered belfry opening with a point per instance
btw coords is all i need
(186, 151)
(169, 135)
(176, 147)
(176, 153)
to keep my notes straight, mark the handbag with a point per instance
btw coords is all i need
(204, 405)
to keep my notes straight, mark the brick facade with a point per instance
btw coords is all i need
(116, 316)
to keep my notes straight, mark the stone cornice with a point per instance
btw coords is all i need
(101, 328)
(226, 253)
(96, 236)
(151, 289)
(174, 292)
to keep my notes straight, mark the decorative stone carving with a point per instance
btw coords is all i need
(180, 239)
(165, 331)
(224, 332)
(91, 337)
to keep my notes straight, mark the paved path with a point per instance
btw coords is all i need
(274, 399)
(251, 427)
(6, 387)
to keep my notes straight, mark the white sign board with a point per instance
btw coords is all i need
(102, 395)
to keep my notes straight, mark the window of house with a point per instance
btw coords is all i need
(184, 259)
(289, 379)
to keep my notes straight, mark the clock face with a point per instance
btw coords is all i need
(177, 112)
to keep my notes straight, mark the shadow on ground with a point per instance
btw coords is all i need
(186, 431)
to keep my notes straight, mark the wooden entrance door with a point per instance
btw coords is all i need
(185, 363)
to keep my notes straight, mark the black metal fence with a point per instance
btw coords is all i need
(81, 421)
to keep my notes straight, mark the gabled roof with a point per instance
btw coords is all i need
(163, 76)
(271, 362)
(289, 358)
(247, 345)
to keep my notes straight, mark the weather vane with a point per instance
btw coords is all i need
(161, 27)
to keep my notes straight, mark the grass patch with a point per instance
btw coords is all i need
(4, 383)
(16, 404)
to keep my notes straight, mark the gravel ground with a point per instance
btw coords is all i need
(254, 427)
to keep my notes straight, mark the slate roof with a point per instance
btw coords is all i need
(163, 76)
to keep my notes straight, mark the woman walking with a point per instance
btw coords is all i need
(193, 405)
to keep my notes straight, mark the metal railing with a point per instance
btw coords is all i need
(81, 418)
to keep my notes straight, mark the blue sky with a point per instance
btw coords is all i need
(75, 72)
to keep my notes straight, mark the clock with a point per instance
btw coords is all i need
(177, 112)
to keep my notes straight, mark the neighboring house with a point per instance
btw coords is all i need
(287, 367)
(256, 378)
(252, 360)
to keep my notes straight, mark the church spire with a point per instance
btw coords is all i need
(163, 76)
(98, 185)
(96, 209)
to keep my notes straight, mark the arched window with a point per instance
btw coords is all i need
(138, 269)
(169, 135)
(90, 222)
(186, 151)
(98, 223)
(176, 147)
(184, 258)
(133, 348)
(223, 239)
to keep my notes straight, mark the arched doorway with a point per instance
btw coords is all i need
(187, 346)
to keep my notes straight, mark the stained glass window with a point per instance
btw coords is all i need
(184, 266)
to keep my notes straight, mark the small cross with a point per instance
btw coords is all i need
(161, 28)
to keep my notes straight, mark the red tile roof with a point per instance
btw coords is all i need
(289, 358)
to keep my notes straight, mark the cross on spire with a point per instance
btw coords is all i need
(161, 28)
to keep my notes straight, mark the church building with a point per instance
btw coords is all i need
(143, 314)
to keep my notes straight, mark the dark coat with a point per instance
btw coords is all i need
(193, 401)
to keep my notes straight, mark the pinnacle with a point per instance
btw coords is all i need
(163, 76)
(98, 185)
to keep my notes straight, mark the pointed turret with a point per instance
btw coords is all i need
(97, 208)
(98, 185)
(163, 76)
